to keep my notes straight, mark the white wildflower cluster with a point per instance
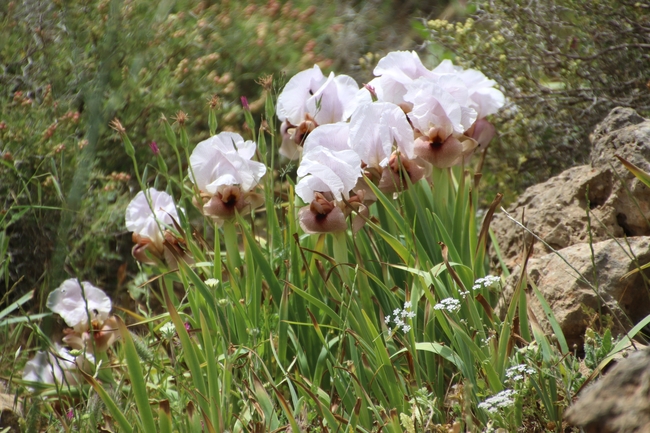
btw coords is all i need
(516, 373)
(211, 282)
(486, 341)
(499, 401)
(451, 305)
(398, 318)
(485, 282)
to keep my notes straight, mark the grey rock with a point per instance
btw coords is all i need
(619, 402)
(618, 204)
(571, 294)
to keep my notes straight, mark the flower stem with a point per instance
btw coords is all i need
(341, 256)
(232, 245)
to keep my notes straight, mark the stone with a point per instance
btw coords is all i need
(617, 403)
(9, 414)
(568, 292)
(617, 202)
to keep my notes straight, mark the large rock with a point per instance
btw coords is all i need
(571, 294)
(618, 403)
(556, 210)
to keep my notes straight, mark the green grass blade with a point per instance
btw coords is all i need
(138, 384)
(112, 407)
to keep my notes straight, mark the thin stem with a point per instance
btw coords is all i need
(232, 244)
(340, 247)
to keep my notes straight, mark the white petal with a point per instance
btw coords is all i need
(291, 102)
(69, 303)
(140, 219)
(401, 66)
(334, 101)
(225, 159)
(375, 127)
(324, 170)
(333, 136)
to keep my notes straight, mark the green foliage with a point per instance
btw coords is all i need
(564, 65)
(597, 347)
(275, 329)
(140, 62)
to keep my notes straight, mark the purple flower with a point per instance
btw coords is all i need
(154, 148)
(244, 103)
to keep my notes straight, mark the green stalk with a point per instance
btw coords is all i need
(232, 245)
(340, 247)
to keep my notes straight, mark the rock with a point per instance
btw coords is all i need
(556, 210)
(617, 403)
(625, 134)
(9, 417)
(568, 292)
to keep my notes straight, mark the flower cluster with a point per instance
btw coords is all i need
(501, 400)
(516, 373)
(224, 172)
(451, 305)
(392, 130)
(92, 330)
(398, 318)
(485, 282)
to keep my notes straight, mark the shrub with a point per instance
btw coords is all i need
(563, 64)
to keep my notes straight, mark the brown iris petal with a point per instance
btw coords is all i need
(322, 216)
(393, 178)
(443, 151)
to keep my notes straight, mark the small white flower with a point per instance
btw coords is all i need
(407, 305)
(387, 319)
(485, 282)
(451, 305)
(486, 341)
(211, 282)
(396, 312)
(406, 328)
(516, 372)
(410, 314)
(499, 401)
(76, 307)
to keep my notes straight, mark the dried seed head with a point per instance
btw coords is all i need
(180, 118)
(214, 102)
(116, 125)
(266, 82)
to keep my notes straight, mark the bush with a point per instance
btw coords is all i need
(130, 59)
(563, 64)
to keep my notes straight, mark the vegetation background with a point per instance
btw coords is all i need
(68, 67)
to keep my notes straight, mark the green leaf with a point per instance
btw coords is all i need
(640, 174)
(138, 384)
(112, 407)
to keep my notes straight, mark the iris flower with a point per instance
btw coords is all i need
(148, 227)
(223, 170)
(310, 99)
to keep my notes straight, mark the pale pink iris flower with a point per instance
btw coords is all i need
(311, 99)
(86, 310)
(376, 129)
(148, 216)
(49, 368)
(225, 173)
